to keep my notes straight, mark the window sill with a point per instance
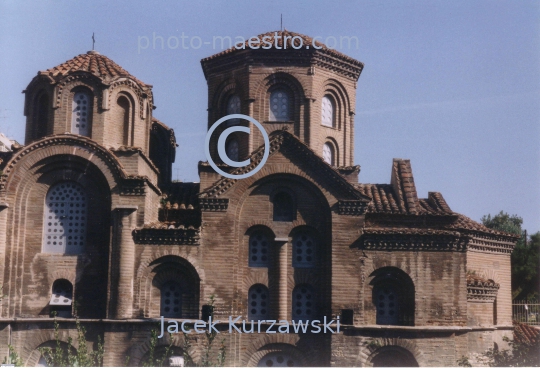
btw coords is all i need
(279, 122)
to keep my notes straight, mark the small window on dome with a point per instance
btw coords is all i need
(232, 149)
(80, 114)
(233, 107)
(328, 154)
(328, 111)
(280, 105)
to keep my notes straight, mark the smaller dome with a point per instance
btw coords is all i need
(92, 62)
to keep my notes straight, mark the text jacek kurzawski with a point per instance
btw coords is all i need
(242, 326)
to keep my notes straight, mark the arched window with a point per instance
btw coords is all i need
(233, 107)
(304, 251)
(259, 250)
(65, 219)
(232, 149)
(80, 113)
(303, 303)
(283, 207)
(62, 298)
(278, 359)
(258, 303)
(328, 111)
(280, 105)
(171, 300)
(328, 154)
(393, 297)
(41, 115)
(125, 111)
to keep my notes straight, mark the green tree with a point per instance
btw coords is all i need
(525, 257)
(13, 358)
(65, 354)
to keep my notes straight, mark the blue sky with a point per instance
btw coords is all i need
(453, 86)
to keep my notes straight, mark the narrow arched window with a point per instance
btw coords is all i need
(280, 105)
(393, 297)
(125, 117)
(259, 250)
(233, 107)
(232, 149)
(328, 154)
(61, 298)
(171, 300)
(65, 219)
(258, 303)
(328, 111)
(303, 303)
(304, 251)
(41, 115)
(386, 301)
(283, 207)
(80, 113)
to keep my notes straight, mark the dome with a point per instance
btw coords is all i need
(92, 62)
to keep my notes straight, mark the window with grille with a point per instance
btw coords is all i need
(258, 303)
(278, 359)
(65, 219)
(233, 107)
(232, 149)
(387, 305)
(283, 207)
(303, 303)
(328, 111)
(259, 250)
(80, 115)
(171, 300)
(328, 154)
(304, 251)
(280, 105)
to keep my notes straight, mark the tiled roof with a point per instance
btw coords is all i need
(385, 200)
(307, 43)
(526, 334)
(465, 223)
(182, 196)
(92, 62)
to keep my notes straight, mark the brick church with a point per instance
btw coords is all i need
(90, 217)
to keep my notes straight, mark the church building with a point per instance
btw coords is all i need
(92, 225)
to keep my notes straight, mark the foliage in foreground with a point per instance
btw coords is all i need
(525, 257)
(155, 359)
(520, 354)
(65, 354)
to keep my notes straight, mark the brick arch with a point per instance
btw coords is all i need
(268, 343)
(371, 349)
(489, 274)
(138, 351)
(332, 138)
(65, 87)
(221, 94)
(339, 92)
(71, 275)
(28, 158)
(148, 279)
(127, 85)
(43, 338)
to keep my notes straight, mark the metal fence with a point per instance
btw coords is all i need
(527, 312)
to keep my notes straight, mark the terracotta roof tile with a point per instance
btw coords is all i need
(526, 334)
(182, 196)
(92, 62)
(307, 43)
(465, 223)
